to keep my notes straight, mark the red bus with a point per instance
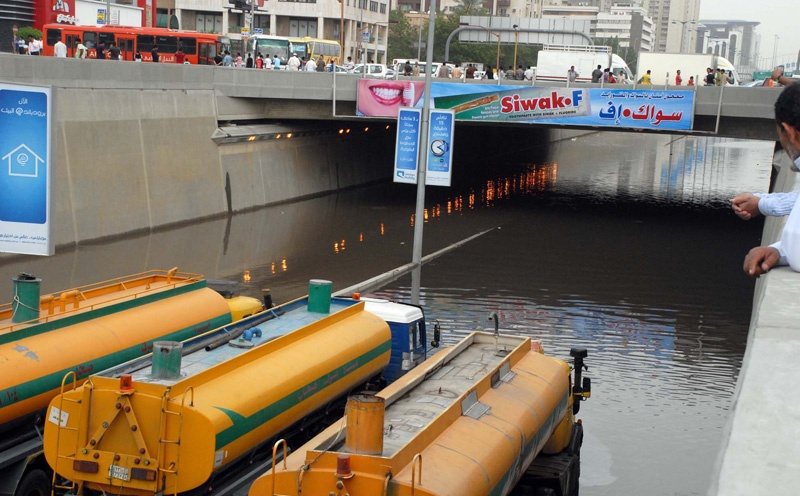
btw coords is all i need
(200, 48)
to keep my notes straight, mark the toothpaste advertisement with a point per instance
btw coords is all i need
(596, 107)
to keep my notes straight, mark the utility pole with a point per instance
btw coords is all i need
(422, 162)
(341, 34)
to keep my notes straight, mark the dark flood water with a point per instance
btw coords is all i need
(620, 243)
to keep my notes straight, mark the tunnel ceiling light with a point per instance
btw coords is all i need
(263, 132)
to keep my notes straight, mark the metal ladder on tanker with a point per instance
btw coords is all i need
(62, 426)
(163, 443)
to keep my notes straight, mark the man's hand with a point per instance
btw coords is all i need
(760, 260)
(745, 205)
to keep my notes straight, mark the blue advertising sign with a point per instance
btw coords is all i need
(441, 129)
(406, 151)
(608, 107)
(25, 156)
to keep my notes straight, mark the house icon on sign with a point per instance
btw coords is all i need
(22, 161)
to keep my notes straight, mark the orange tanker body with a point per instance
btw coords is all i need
(154, 435)
(81, 331)
(468, 421)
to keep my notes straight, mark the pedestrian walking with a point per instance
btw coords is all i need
(60, 50)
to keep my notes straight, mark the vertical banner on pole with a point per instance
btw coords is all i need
(26, 117)
(407, 145)
(441, 129)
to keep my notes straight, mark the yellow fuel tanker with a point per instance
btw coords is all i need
(468, 421)
(81, 331)
(89, 329)
(139, 433)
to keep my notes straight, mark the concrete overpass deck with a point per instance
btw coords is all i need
(254, 95)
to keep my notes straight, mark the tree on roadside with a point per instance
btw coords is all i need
(402, 36)
(470, 8)
(627, 54)
(26, 31)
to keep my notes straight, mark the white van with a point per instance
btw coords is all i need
(399, 66)
(372, 71)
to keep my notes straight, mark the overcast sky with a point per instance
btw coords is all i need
(777, 17)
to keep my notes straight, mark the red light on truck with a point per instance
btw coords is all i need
(143, 474)
(85, 466)
(343, 467)
(125, 382)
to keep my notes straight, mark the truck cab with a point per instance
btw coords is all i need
(407, 323)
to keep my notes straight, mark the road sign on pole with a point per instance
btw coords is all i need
(407, 145)
(440, 147)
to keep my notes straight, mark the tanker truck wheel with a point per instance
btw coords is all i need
(35, 483)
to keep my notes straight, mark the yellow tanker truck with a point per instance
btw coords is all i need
(80, 331)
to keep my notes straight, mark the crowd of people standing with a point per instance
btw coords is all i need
(268, 61)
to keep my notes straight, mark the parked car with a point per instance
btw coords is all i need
(759, 83)
(371, 70)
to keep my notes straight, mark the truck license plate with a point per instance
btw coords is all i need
(116, 472)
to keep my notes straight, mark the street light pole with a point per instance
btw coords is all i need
(683, 28)
(378, 37)
(422, 162)
(775, 52)
(497, 66)
(516, 41)
(341, 32)
(419, 39)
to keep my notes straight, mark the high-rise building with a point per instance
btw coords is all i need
(675, 23)
(628, 23)
(736, 40)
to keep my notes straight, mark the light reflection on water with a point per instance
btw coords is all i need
(665, 325)
(619, 243)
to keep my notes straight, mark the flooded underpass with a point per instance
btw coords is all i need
(620, 243)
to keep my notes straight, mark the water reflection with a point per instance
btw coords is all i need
(620, 243)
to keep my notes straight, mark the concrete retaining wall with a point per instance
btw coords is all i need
(142, 159)
(134, 149)
(760, 452)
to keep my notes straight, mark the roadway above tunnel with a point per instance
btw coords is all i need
(263, 95)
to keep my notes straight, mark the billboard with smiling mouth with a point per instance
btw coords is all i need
(613, 106)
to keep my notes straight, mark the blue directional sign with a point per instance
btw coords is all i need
(440, 147)
(406, 152)
(25, 157)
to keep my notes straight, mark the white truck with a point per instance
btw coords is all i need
(399, 64)
(555, 60)
(664, 66)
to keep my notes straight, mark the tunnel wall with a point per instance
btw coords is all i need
(129, 160)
